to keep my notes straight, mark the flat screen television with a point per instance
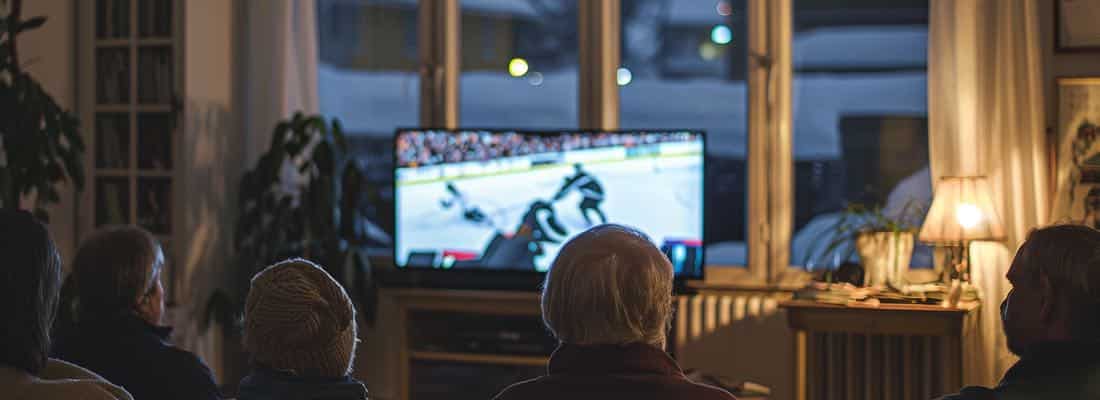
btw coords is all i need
(505, 201)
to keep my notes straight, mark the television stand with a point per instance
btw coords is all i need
(467, 343)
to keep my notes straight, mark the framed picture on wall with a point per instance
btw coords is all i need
(1077, 141)
(1075, 27)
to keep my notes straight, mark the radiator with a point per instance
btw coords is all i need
(854, 366)
(887, 352)
(844, 354)
(700, 314)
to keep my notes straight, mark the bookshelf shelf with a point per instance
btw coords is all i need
(116, 42)
(112, 172)
(155, 42)
(130, 50)
(153, 173)
(112, 108)
(138, 108)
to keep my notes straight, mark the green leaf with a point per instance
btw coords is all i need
(338, 135)
(42, 215)
(318, 126)
(54, 172)
(32, 23)
(278, 137)
(323, 156)
(5, 187)
(5, 53)
(48, 194)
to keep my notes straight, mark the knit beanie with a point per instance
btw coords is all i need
(300, 320)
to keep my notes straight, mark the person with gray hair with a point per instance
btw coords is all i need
(1051, 318)
(608, 300)
(117, 329)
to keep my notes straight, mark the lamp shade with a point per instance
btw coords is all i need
(962, 211)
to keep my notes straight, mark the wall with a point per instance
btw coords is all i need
(1057, 64)
(49, 54)
(739, 337)
(211, 165)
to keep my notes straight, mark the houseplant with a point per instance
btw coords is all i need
(883, 241)
(300, 200)
(40, 142)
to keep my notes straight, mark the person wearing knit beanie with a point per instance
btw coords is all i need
(301, 334)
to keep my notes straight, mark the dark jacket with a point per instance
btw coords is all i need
(264, 384)
(136, 355)
(635, 371)
(1052, 371)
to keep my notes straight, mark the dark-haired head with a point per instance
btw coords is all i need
(116, 272)
(30, 279)
(1055, 293)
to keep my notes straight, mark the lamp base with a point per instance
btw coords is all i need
(953, 262)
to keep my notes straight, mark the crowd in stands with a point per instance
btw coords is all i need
(423, 148)
(607, 299)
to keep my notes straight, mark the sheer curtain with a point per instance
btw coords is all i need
(986, 118)
(276, 47)
(280, 67)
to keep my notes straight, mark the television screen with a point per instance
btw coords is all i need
(508, 200)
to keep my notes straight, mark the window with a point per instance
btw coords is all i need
(367, 75)
(857, 105)
(683, 66)
(368, 78)
(860, 119)
(519, 64)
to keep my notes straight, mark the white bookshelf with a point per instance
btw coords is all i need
(129, 53)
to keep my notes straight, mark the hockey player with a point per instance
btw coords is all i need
(589, 188)
(472, 214)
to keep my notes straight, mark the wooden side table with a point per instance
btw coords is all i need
(889, 351)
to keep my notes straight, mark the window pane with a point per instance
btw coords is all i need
(860, 121)
(683, 66)
(519, 64)
(367, 77)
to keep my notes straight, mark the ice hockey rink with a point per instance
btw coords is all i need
(661, 195)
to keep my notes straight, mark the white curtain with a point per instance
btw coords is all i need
(280, 67)
(277, 41)
(986, 118)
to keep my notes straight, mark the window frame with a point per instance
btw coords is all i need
(770, 187)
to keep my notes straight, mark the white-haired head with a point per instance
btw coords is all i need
(609, 285)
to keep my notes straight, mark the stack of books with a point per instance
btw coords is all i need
(834, 293)
(845, 294)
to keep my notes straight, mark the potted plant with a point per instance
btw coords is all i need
(40, 142)
(884, 242)
(300, 200)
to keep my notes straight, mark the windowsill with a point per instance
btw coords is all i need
(742, 286)
(742, 279)
(739, 279)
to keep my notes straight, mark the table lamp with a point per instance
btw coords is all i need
(962, 212)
